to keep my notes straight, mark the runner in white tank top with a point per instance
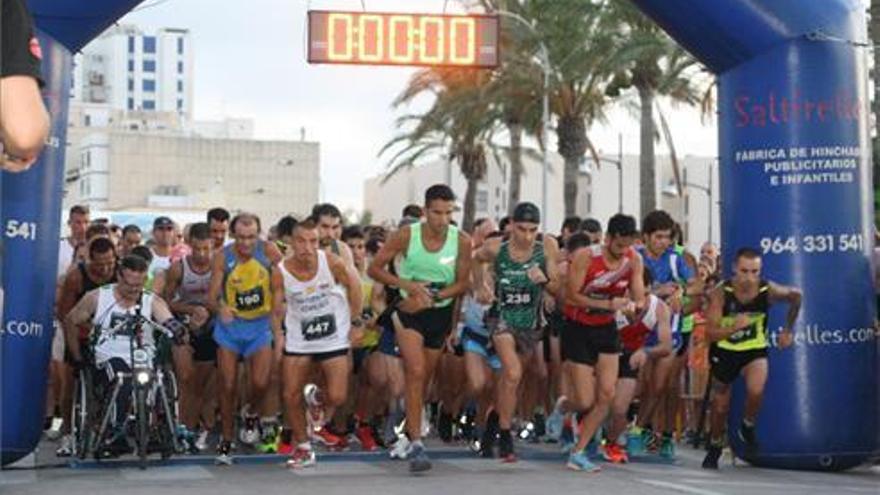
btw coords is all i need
(319, 299)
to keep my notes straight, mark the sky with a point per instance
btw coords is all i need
(250, 62)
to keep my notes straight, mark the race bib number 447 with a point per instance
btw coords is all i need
(319, 328)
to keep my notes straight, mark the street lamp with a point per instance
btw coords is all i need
(544, 57)
(671, 191)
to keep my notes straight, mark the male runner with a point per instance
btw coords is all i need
(218, 222)
(240, 296)
(435, 270)
(320, 301)
(131, 238)
(522, 267)
(598, 280)
(738, 324)
(99, 269)
(186, 287)
(329, 221)
(164, 239)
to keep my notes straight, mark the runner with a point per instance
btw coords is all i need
(131, 238)
(738, 324)
(329, 221)
(163, 243)
(598, 280)
(186, 287)
(99, 269)
(240, 296)
(645, 337)
(434, 271)
(323, 319)
(522, 268)
(218, 222)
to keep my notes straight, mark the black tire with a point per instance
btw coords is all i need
(79, 419)
(143, 425)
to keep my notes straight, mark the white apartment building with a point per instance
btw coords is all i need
(128, 69)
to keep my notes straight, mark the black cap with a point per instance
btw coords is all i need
(161, 222)
(527, 212)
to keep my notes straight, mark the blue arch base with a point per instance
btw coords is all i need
(31, 216)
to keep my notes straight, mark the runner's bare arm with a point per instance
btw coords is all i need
(67, 295)
(481, 260)
(462, 270)
(637, 289)
(279, 304)
(273, 253)
(81, 314)
(792, 296)
(551, 255)
(664, 332)
(216, 286)
(396, 244)
(173, 277)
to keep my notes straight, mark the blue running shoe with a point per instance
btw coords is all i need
(419, 461)
(554, 424)
(580, 462)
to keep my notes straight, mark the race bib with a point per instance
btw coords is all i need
(748, 333)
(318, 328)
(512, 297)
(249, 300)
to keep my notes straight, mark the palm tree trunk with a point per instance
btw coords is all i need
(515, 129)
(647, 162)
(470, 204)
(572, 134)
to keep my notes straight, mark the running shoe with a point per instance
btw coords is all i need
(540, 425)
(269, 439)
(505, 447)
(444, 426)
(578, 461)
(555, 423)
(250, 434)
(327, 438)
(418, 458)
(746, 434)
(615, 454)
(301, 458)
(401, 448)
(635, 443)
(224, 454)
(364, 435)
(667, 447)
(65, 449)
(202, 440)
(713, 453)
(54, 431)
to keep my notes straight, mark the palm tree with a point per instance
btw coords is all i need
(459, 125)
(659, 68)
(874, 28)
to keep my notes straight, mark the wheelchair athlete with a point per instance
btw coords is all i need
(108, 309)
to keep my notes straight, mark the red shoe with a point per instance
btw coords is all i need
(328, 439)
(615, 454)
(364, 435)
(285, 448)
(301, 458)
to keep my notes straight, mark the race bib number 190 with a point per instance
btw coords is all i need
(319, 328)
(249, 300)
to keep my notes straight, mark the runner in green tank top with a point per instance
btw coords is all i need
(434, 272)
(523, 267)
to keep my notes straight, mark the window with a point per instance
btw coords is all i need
(131, 65)
(589, 203)
(131, 44)
(180, 67)
(149, 105)
(149, 44)
(180, 105)
(131, 103)
(149, 66)
(180, 86)
(88, 120)
(149, 85)
(482, 201)
(180, 46)
(130, 84)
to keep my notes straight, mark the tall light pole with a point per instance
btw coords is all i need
(671, 191)
(544, 56)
